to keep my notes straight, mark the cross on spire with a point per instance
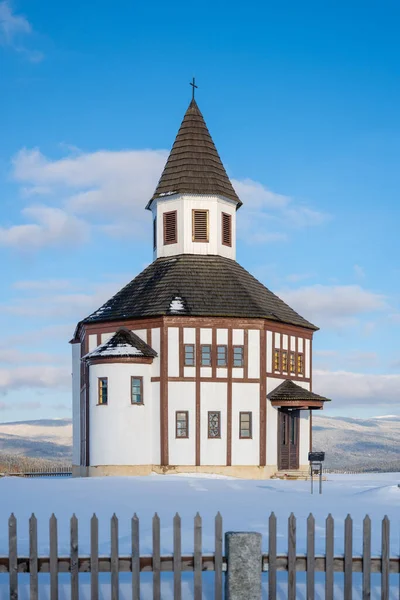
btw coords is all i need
(193, 84)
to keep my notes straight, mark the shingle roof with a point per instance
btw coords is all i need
(123, 343)
(196, 285)
(288, 390)
(194, 165)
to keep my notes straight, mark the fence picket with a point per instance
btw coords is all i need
(198, 566)
(177, 558)
(94, 558)
(74, 559)
(329, 553)
(13, 556)
(156, 558)
(272, 557)
(33, 559)
(135, 558)
(114, 558)
(385, 558)
(292, 557)
(366, 558)
(310, 557)
(348, 558)
(53, 558)
(218, 558)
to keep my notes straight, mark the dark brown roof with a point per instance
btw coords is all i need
(194, 165)
(196, 285)
(288, 390)
(123, 343)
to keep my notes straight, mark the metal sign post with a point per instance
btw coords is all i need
(316, 459)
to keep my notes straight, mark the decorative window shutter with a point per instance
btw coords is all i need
(170, 228)
(200, 225)
(226, 229)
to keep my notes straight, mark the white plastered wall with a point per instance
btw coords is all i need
(246, 398)
(122, 433)
(76, 402)
(253, 354)
(184, 204)
(182, 397)
(213, 397)
(173, 351)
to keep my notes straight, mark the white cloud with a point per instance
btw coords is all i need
(333, 305)
(13, 29)
(359, 272)
(34, 377)
(33, 285)
(110, 190)
(50, 227)
(346, 387)
(13, 356)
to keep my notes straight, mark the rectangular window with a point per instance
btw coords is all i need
(292, 363)
(103, 390)
(226, 229)
(189, 355)
(300, 364)
(277, 360)
(214, 425)
(245, 425)
(182, 424)
(154, 233)
(170, 228)
(222, 356)
(200, 225)
(238, 356)
(137, 390)
(284, 361)
(206, 355)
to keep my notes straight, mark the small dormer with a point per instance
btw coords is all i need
(194, 205)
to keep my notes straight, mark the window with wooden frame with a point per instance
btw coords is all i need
(238, 356)
(154, 233)
(137, 390)
(277, 359)
(284, 361)
(300, 364)
(206, 355)
(292, 363)
(170, 227)
(226, 229)
(222, 356)
(182, 424)
(200, 225)
(245, 425)
(214, 425)
(189, 355)
(103, 390)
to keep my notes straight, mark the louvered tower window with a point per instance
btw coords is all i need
(226, 229)
(200, 225)
(170, 228)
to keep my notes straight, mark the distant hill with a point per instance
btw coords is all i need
(365, 444)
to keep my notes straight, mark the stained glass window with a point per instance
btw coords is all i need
(103, 390)
(277, 360)
(214, 424)
(300, 364)
(292, 362)
(284, 361)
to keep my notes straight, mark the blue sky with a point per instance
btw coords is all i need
(302, 102)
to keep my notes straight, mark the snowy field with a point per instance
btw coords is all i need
(244, 505)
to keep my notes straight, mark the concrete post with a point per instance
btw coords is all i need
(243, 577)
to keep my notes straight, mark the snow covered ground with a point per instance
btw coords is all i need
(244, 505)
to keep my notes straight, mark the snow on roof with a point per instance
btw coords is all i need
(123, 343)
(176, 305)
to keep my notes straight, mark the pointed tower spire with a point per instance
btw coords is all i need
(194, 165)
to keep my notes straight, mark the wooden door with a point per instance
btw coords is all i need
(288, 439)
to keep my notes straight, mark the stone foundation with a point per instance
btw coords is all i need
(241, 472)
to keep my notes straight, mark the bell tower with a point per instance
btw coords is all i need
(194, 205)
